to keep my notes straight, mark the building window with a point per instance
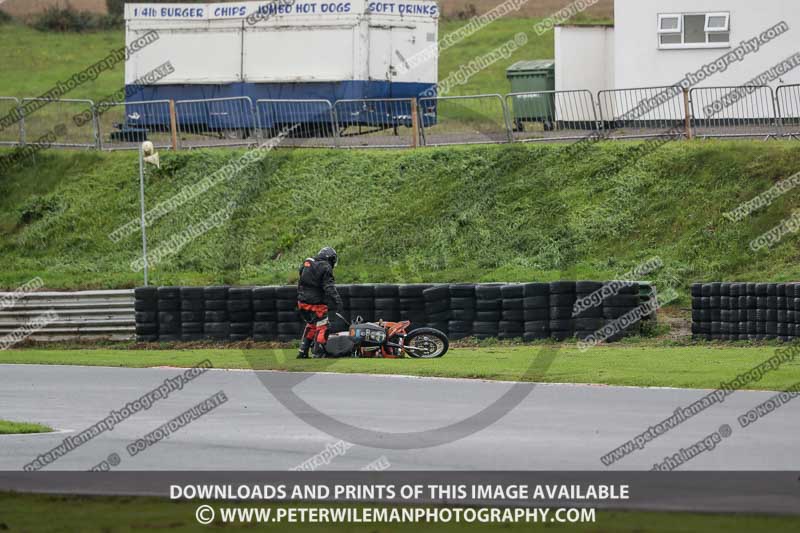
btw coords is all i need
(694, 30)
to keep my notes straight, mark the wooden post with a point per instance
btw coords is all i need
(687, 111)
(173, 124)
(414, 124)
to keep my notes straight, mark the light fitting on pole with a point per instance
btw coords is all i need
(150, 154)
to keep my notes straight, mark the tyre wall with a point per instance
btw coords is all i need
(746, 311)
(525, 311)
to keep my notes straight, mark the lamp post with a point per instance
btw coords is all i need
(147, 154)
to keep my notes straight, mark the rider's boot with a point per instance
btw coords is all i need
(305, 346)
(319, 351)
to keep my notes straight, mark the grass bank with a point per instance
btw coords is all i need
(480, 213)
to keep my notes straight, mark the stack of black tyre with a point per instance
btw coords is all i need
(588, 318)
(362, 302)
(290, 325)
(562, 302)
(240, 313)
(617, 306)
(536, 311)
(169, 314)
(512, 325)
(437, 307)
(146, 308)
(745, 311)
(530, 311)
(412, 304)
(462, 310)
(192, 313)
(216, 324)
(488, 311)
(387, 303)
(337, 324)
(265, 316)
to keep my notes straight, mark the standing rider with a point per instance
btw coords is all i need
(316, 290)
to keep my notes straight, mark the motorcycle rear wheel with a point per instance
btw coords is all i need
(429, 343)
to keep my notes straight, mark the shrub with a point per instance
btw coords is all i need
(66, 19)
(115, 7)
(39, 207)
(5, 18)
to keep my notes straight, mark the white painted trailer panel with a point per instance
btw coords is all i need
(191, 51)
(302, 42)
(282, 54)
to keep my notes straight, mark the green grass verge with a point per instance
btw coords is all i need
(122, 514)
(36, 61)
(651, 366)
(15, 428)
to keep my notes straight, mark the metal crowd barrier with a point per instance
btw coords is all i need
(56, 122)
(723, 112)
(11, 122)
(643, 112)
(551, 115)
(309, 123)
(217, 122)
(124, 126)
(479, 119)
(375, 122)
(734, 112)
(787, 106)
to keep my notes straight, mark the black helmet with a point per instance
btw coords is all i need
(329, 255)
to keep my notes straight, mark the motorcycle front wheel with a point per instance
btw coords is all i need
(426, 343)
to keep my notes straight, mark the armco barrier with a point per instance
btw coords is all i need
(526, 311)
(78, 315)
(746, 311)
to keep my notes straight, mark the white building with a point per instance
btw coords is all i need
(692, 43)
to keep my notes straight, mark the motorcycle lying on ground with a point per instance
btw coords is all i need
(390, 340)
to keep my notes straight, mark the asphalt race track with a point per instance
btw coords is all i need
(555, 427)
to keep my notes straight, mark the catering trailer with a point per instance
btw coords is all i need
(286, 50)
